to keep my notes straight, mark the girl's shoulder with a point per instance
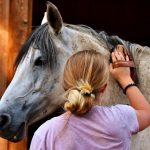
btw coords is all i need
(52, 124)
(123, 115)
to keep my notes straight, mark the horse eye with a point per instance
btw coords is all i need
(39, 62)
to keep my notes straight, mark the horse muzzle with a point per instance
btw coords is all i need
(14, 135)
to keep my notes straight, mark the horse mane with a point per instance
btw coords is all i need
(40, 39)
(105, 40)
(84, 28)
(88, 30)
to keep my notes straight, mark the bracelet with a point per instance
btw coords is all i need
(129, 85)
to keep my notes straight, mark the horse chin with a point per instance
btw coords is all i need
(16, 136)
(20, 134)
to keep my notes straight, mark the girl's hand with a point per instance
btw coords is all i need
(121, 74)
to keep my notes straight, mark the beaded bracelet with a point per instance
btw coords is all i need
(129, 85)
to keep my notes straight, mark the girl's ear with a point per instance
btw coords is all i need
(102, 90)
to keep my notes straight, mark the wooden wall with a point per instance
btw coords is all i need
(15, 25)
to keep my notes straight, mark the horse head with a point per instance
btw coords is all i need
(36, 89)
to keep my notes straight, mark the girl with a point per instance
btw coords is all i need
(86, 125)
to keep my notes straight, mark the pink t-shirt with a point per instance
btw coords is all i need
(103, 128)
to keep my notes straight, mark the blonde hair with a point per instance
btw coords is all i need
(85, 73)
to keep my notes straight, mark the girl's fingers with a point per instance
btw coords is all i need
(127, 58)
(113, 57)
(119, 55)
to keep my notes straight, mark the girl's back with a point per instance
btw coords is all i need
(103, 128)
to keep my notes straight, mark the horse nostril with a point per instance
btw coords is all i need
(5, 120)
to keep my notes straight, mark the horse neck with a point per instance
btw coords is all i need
(88, 36)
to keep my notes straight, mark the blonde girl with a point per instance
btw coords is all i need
(85, 125)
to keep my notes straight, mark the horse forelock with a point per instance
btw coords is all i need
(40, 39)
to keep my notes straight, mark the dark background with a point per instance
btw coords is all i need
(129, 19)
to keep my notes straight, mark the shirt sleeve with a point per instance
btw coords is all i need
(44, 136)
(129, 117)
(36, 143)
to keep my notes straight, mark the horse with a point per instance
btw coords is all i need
(36, 88)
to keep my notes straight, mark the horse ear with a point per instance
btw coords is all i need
(54, 18)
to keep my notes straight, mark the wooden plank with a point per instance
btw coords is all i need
(19, 29)
(4, 25)
(3, 144)
(22, 145)
(20, 26)
(15, 25)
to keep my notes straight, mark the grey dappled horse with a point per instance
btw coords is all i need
(36, 89)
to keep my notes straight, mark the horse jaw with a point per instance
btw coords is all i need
(26, 101)
(13, 128)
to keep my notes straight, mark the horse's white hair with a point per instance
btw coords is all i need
(44, 20)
